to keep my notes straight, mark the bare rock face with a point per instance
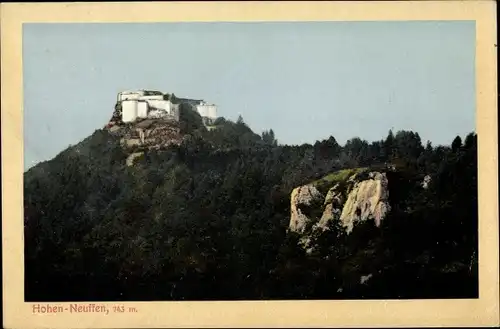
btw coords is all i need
(427, 180)
(130, 142)
(358, 200)
(131, 158)
(332, 207)
(150, 133)
(160, 136)
(365, 278)
(369, 199)
(147, 134)
(333, 196)
(302, 196)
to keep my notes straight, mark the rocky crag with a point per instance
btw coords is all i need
(147, 134)
(144, 134)
(350, 196)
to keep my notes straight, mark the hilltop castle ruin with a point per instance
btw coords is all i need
(142, 104)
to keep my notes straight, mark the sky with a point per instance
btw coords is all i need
(305, 80)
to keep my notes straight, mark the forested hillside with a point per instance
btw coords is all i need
(208, 219)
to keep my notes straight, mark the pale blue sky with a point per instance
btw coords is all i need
(305, 80)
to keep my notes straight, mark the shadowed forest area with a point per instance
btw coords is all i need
(208, 220)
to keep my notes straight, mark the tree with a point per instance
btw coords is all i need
(408, 145)
(190, 120)
(470, 141)
(456, 144)
(272, 138)
(388, 146)
(268, 137)
(428, 147)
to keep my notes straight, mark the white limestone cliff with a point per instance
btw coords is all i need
(366, 199)
(302, 196)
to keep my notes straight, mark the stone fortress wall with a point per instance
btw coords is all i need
(142, 104)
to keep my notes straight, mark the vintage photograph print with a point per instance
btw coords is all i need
(237, 161)
(202, 161)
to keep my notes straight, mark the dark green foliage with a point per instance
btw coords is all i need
(190, 120)
(208, 220)
(269, 138)
(230, 135)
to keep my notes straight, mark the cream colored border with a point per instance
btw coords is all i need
(481, 312)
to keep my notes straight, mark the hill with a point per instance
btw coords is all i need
(209, 217)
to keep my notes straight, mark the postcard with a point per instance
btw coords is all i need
(262, 164)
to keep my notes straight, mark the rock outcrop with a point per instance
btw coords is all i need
(146, 134)
(359, 197)
(369, 199)
(152, 134)
(332, 207)
(131, 158)
(427, 180)
(302, 197)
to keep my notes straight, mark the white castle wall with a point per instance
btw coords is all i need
(161, 105)
(151, 97)
(129, 110)
(207, 110)
(133, 109)
(176, 111)
(159, 109)
(129, 95)
(136, 105)
(142, 109)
